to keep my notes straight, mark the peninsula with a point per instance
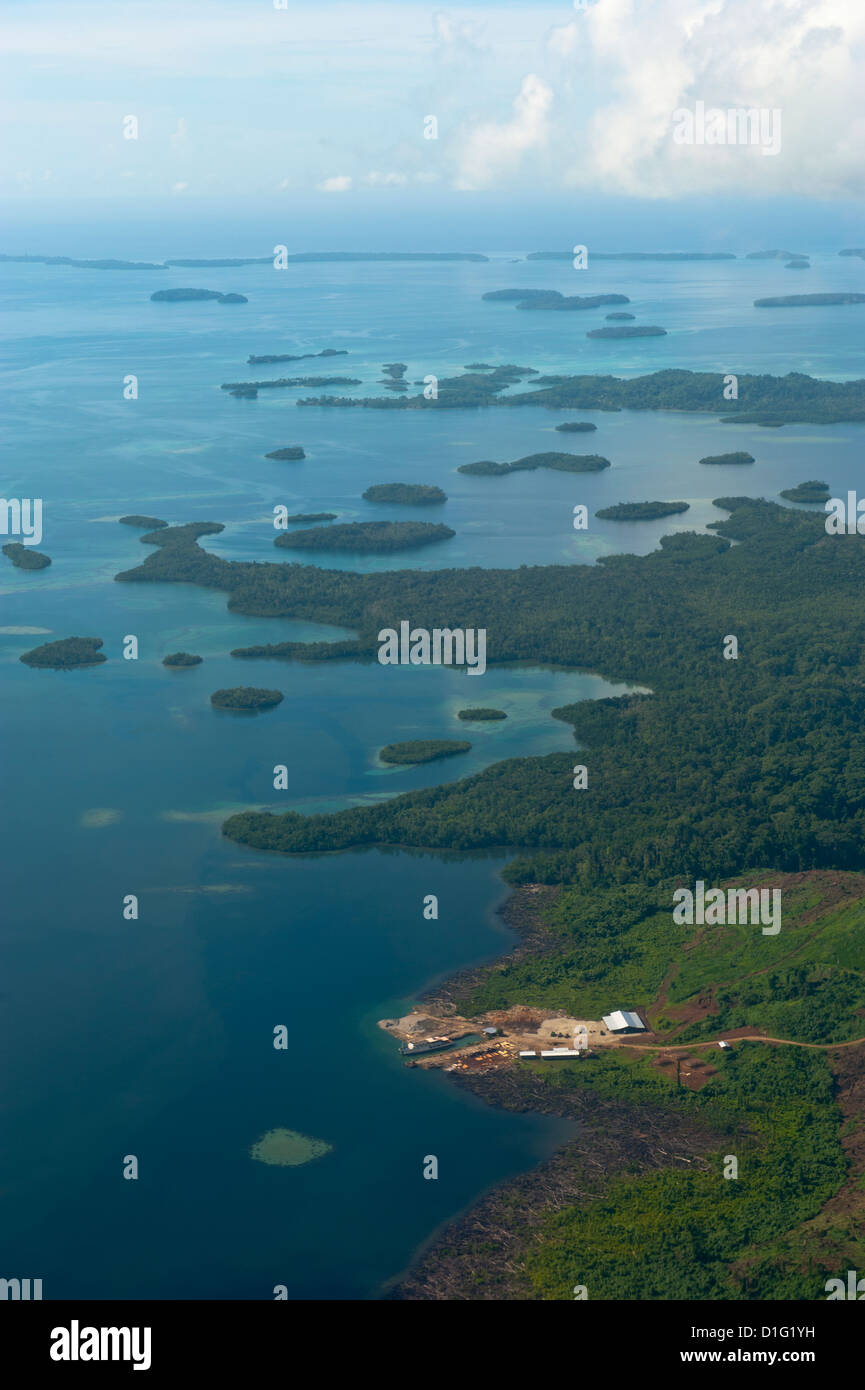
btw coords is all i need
(812, 491)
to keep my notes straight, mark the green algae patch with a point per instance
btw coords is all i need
(287, 1148)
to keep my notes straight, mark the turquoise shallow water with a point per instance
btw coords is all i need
(154, 1037)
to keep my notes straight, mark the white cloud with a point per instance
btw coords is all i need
(378, 180)
(493, 150)
(179, 187)
(340, 183)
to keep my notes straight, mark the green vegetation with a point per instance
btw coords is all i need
(290, 454)
(634, 331)
(812, 491)
(66, 654)
(552, 299)
(480, 712)
(563, 463)
(771, 400)
(697, 1236)
(181, 296)
(312, 516)
(367, 537)
(246, 697)
(181, 659)
(640, 511)
(798, 301)
(576, 427)
(290, 381)
(91, 265)
(25, 558)
(149, 523)
(269, 357)
(728, 458)
(423, 750)
(415, 494)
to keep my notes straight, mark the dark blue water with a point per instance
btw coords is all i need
(154, 1037)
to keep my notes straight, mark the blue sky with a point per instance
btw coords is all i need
(316, 111)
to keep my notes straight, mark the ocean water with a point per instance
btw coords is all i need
(154, 1037)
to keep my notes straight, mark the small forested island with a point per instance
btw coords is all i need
(312, 516)
(149, 523)
(812, 491)
(367, 537)
(423, 750)
(285, 381)
(417, 494)
(290, 454)
(634, 331)
(246, 697)
(774, 256)
(23, 558)
(640, 511)
(253, 361)
(181, 659)
(635, 256)
(563, 463)
(740, 457)
(181, 296)
(798, 301)
(576, 427)
(552, 299)
(66, 653)
(482, 713)
(798, 265)
(621, 317)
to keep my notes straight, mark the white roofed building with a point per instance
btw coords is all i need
(624, 1021)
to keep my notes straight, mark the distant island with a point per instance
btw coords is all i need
(741, 457)
(425, 750)
(796, 301)
(66, 653)
(774, 256)
(417, 494)
(621, 316)
(564, 463)
(798, 264)
(149, 523)
(481, 713)
(285, 381)
(312, 516)
(367, 537)
(23, 558)
(635, 256)
(634, 331)
(772, 400)
(552, 299)
(854, 251)
(181, 659)
(291, 453)
(640, 511)
(254, 361)
(85, 265)
(812, 491)
(180, 296)
(246, 697)
(576, 427)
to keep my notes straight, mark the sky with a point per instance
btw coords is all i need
(318, 115)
